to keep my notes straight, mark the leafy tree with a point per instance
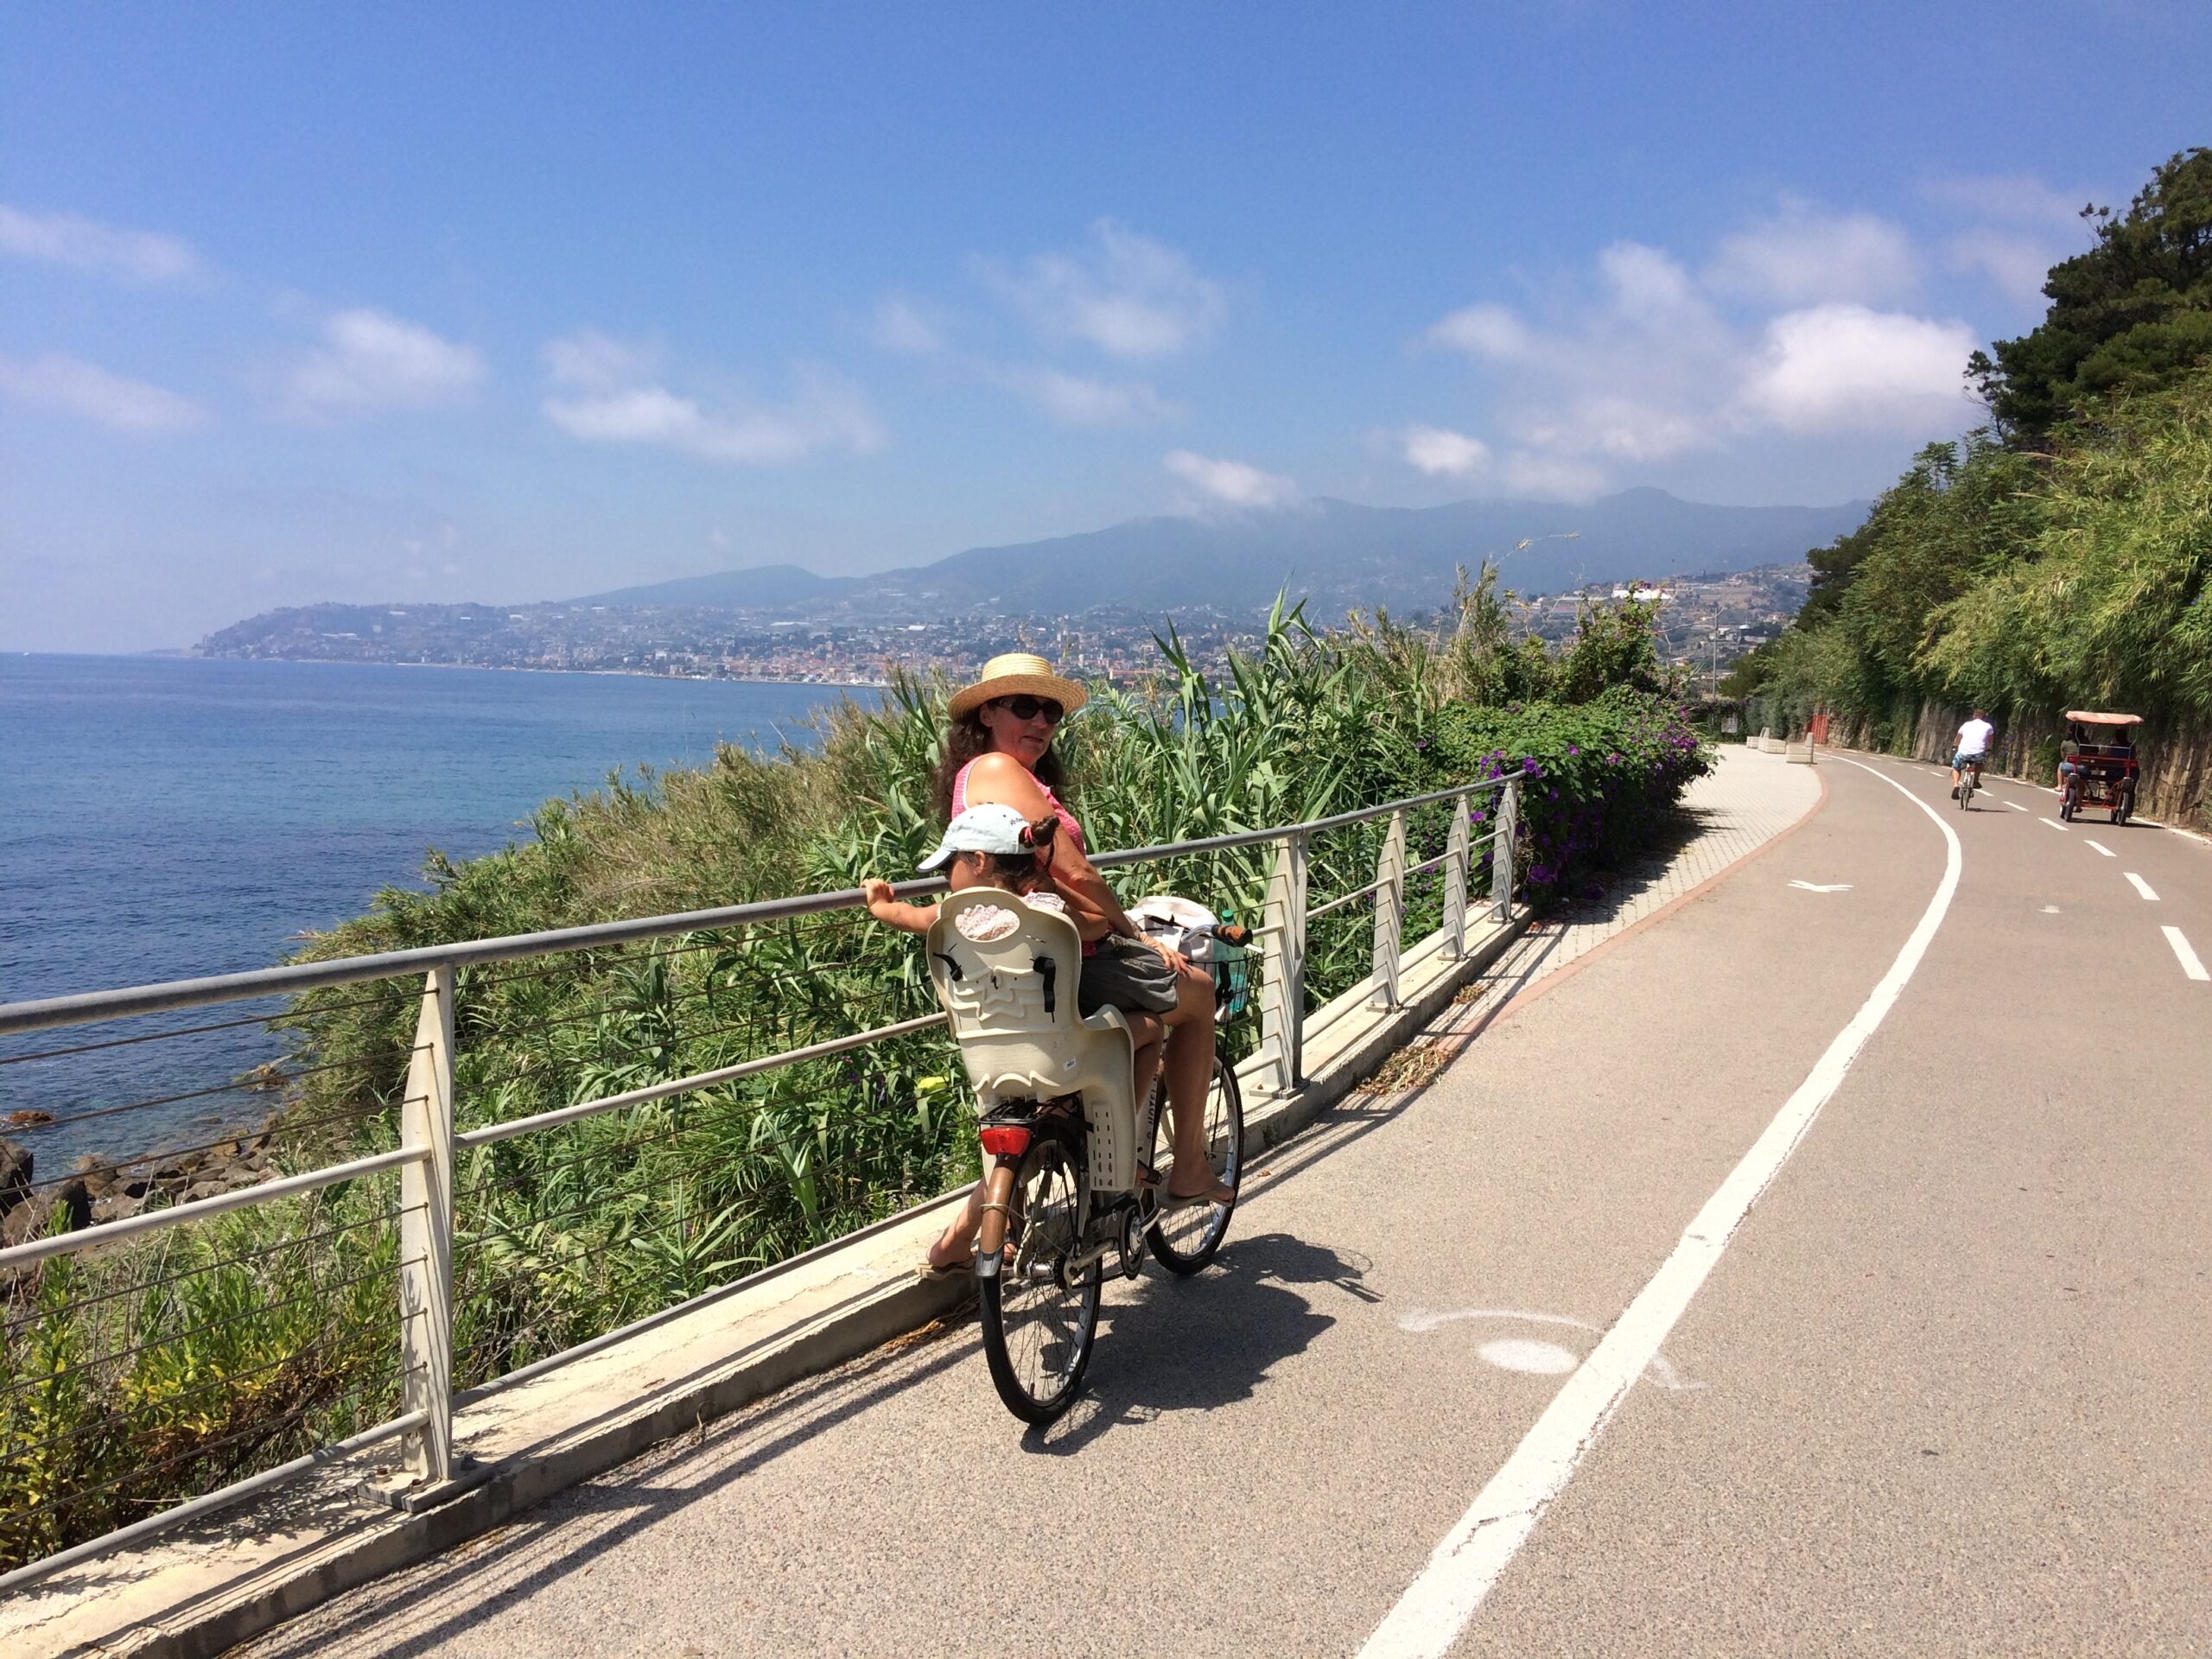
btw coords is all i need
(1613, 646)
(2111, 606)
(2132, 313)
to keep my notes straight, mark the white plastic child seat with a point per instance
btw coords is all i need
(1011, 1005)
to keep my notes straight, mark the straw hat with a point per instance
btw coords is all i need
(1011, 675)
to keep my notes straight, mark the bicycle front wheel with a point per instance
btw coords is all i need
(1040, 1320)
(1185, 1237)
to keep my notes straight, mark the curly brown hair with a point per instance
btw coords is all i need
(965, 741)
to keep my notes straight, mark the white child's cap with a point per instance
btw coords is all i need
(990, 828)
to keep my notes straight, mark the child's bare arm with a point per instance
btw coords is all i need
(907, 919)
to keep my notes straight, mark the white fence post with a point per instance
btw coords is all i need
(1501, 850)
(426, 1237)
(1390, 910)
(1457, 852)
(1282, 991)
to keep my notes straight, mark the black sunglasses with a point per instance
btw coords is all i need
(1025, 707)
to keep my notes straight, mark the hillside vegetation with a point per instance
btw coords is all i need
(2059, 558)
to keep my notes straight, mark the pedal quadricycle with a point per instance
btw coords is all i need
(2097, 764)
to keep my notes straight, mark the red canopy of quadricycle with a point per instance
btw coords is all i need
(2088, 718)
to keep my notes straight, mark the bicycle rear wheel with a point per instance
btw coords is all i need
(1185, 1238)
(1041, 1321)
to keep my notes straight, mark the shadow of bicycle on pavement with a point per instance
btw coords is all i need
(1206, 1342)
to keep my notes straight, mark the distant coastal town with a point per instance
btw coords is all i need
(1708, 622)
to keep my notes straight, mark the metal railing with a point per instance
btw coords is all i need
(432, 1154)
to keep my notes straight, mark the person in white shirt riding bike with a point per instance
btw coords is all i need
(1971, 748)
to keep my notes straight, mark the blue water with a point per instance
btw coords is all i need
(164, 818)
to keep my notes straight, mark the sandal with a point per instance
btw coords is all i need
(1218, 1192)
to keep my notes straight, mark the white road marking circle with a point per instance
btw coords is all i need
(1526, 1354)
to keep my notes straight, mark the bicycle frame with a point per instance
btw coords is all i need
(1116, 1203)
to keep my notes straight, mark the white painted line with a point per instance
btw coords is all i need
(2016, 806)
(2101, 848)
(2186, 834)
(2139, 884)
(2053, 822)
(1437, 1606)
(1814, 886)
(2190, 964)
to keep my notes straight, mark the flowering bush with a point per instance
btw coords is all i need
(1594, 777)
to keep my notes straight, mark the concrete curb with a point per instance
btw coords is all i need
(191, 1598)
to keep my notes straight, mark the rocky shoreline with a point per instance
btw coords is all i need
(102, 1189)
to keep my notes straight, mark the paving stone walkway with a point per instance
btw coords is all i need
(1746, 801)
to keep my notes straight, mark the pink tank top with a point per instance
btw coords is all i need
(1066, 817)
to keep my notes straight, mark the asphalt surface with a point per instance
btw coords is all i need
(1948, 1390)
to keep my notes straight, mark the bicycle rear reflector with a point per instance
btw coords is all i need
(1005, 1140)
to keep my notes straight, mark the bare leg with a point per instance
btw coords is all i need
(956, 1245)
(1189, 1069)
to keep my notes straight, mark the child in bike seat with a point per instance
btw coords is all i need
(991, 846)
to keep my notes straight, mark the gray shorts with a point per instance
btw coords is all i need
(1127, 975)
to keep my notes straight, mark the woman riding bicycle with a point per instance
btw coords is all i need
(998, 749)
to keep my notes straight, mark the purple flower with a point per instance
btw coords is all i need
(1571, 749)
(1528, 765)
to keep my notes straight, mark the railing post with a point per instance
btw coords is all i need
(426, 1237)
(1282, 994)
(1457, 851)
(1389, 911)
(1501, 850)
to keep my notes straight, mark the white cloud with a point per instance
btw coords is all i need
(607, 398)
(1443, 454)
(1127, 295)
(1842, 367)
(590, 361)
(1232, 483)
(2016, 261)
(1802, 256)
(1649, 288)
(371, 360)
(1489, 331)
(2009, 197)
(70, 386)
(2022, 228)
(1647, 361)
(899, 326)
(80, 244)
(1077, 400)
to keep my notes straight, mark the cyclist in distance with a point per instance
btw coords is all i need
(1971, 747)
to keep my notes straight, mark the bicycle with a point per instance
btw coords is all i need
(1041, 1270)
(1969, 780)
(1065, 1191)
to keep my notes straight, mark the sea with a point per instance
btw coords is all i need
(167, 817)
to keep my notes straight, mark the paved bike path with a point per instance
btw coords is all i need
(1956, 1380)
(1268, 1454)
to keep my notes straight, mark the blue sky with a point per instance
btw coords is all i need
(516, 303)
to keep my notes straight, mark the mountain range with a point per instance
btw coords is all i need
(1336, 554)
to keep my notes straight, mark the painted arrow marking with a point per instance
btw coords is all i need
(1814, 886)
